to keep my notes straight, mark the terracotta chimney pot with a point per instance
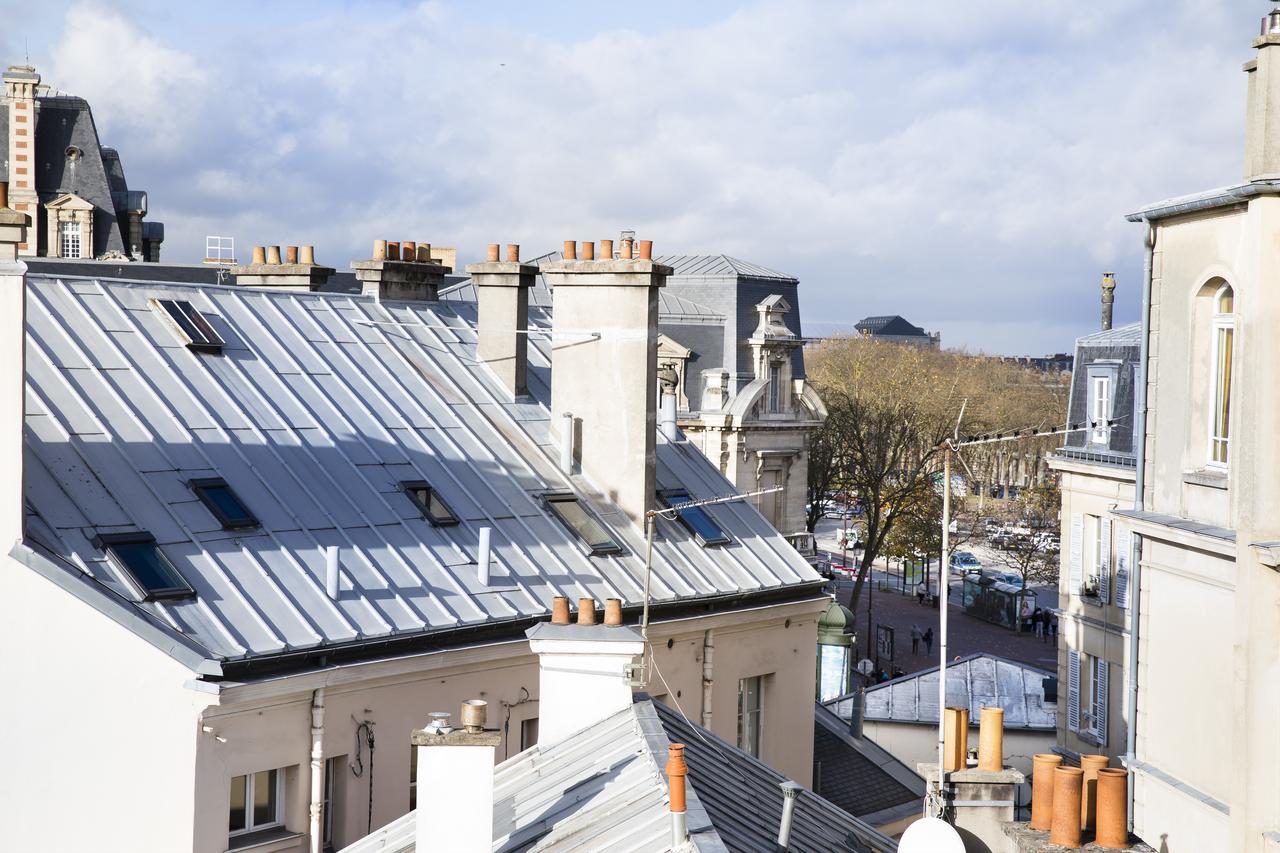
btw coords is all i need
(1113, 809)
(955, 747)
(677, 770)
(606, 250)
(492, 256)
(259, 254)
(560, 610)
(613, 611)
(1068, 782)
(991, 740)
(424, 253)
(409, 251)
(307, 256)
(273, 254)
(1090, 764)
(393, 250)
(588, 251)
(625, 251)
(1042, 767)
(586, 611)
(290, 254)
(646, 250)
(379, 249)
(513, 253)
(570, 250)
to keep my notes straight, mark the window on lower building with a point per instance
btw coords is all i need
(141, 559)
(256, 801)
(1093, 556)
(429, 503)
(750, 713)
(69, 239)
(1088, 679)
(566, 507)
(696, 519)
(334, 796)
(528, 733)
(1224, 329)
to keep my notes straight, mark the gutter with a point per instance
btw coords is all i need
(1226, 197)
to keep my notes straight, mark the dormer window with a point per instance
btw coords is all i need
(570, 511)
(695, 519)
(428, 502)
(142, 561)
(1099, 407)
(190, 322)
(230, 511)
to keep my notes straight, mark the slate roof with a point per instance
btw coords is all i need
(859, 775)
(890, 324)
(64, 121)
(1118, 352)
(605, 788)
(972, 682)
(318, 407)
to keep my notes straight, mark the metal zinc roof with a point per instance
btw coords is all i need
(318, 407)
(973, 682)
(1127, 335)
(671, 306)
(719, 266)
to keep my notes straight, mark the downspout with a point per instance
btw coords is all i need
(1139, 503)
(708, 649)
(316, 809)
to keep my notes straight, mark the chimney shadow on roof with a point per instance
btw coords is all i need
(578, 796)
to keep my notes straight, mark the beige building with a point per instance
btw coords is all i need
(256, 534)
(1205, 753)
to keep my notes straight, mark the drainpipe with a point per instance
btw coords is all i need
(708, 649)
(1139, 503)
(317, 771)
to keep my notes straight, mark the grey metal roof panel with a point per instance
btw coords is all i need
(1127, 335)
(719, 266)
(315, 412)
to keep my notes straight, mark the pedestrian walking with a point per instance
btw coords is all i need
(1037, 619)
(928, 640)
(915, 639)
(921, 592)
(1053, 628)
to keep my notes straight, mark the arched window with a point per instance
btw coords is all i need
(1224, 328)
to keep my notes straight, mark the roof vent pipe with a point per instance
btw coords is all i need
(667, 416)
(676, 771)
(790, 792)
(566, 444)
(331, 572)
(482, 557)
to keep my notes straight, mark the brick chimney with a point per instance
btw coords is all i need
(502, 294)
(20, 83)
(609, 383)
(1262, 118)
(298, 271)
(400, 271)
(13, 289)
(455, 787)
(1108, 298)
(584, 673)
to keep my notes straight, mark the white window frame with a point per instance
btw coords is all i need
(1222, 323)
(1100, 403)
(70, 233)
(751, 737)
(249, 824)
(1092, 530)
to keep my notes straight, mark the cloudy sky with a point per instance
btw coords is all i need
(967, 165)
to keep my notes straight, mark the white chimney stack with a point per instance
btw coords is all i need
(455, 783)
(13, 291)
(584, 675)
(1262, 120)
(502, 299)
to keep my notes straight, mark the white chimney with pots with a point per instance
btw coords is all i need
(1262, 121)
(295, 271)
(455, 782)
(584, 675)
(13, 292)
(400, 271)
(502, 297)
(609, 382)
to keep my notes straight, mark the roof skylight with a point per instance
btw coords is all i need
(200, 335)
(566, 507)
(223, 503)
(696, 519)
(146, 565)
(428, 502)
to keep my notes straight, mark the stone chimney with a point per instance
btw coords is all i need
(1262, 118)
(400, 271)
(1108, 298)
(20, 83)
(455, 782)
(13, 289)
(608, 382)
(298, 271)
(502, 294)
(584, 674)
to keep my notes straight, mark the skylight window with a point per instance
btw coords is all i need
(200, 335)
(223, 503)
(696, 519)
(146, 565)
(572, 514)
(428, 502)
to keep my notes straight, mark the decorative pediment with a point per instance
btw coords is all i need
(69, 201)
(673, 357)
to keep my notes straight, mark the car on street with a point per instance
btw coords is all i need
(964, 561)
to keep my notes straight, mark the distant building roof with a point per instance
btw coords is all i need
(890, 324)
(607, 782)
(1129, 335)
(859, 775)
(972, 682)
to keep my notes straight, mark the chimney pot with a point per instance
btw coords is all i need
(492, 255)
(426, 246)
(1108, 298)
(1042, 767)
(1067, 787)
(379, 250)
(273, 255)
(513, 253)
(259, 255)
(560, 610)
(991, 740)
(586, 611)
(474, 713)
(1113, 808)
(625, 251)
(606, 250)
(1091, 765)
(393, 250)
(307, 256)
(646, 250)
(409, 251)
(613, 611)
(588, 251)
(570, 250)
(424, 253)
(677, 770)
(291, 254)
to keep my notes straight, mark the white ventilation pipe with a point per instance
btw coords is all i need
(667, 417)
(331, 572)
(566, 443)
(790, 791)
(482, 557)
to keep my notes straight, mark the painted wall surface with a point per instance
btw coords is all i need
(102, 733)
(915, 743)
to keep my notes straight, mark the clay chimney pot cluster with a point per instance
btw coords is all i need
(1069, 800)
(560, 614)
(408, 251)
(626, 250)
(293, 256)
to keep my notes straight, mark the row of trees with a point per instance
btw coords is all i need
(890, 407)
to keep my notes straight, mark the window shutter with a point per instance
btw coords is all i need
(1073, 690)
(1077, 552)
(1100, 690)
(1104, 569)
(1124, 544)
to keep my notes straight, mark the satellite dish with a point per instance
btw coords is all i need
(931, 835)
